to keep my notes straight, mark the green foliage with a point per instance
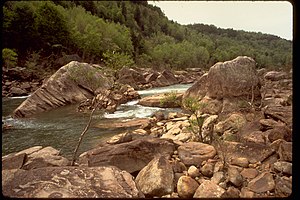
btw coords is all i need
(170, 98)
(137, 29)
(116, 60)
(32, 61)
(9, 57)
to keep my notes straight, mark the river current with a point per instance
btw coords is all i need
(61, 127)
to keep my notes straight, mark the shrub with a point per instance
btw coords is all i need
(9, 57)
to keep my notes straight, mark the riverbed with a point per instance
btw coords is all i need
(61, 127)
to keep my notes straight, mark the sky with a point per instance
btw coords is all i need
(270, 17)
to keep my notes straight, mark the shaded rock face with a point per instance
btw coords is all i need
(69, 182)
(236, 78)
(72, 83)
(156, 179)
(131, 156)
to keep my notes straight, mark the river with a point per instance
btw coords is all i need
(61, 127)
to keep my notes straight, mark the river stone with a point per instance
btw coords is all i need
(193, 171)
(234, 176)
(207, 169)
(194, 153)
(275, 76)
(209, 189)
(72, 83)
(130, 156)
(249, 173)
(157, 178)
(262, 183)
(285, 151)
(283, 167)
(240, 161)
(120, 138)
(186, 187)
(69, 182)
(283, 186)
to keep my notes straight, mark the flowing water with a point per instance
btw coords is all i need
(61, 127)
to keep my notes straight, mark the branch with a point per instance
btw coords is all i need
(82, 134)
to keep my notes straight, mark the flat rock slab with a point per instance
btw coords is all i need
(69, 182)
(253, 152)
(123, 123)
(130, 156)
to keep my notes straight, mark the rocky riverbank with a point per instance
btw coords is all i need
(248, 115)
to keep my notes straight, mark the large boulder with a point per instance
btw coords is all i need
(69, 182)
(72, 83)
(130, 156)
(227, 80)
(157, 178)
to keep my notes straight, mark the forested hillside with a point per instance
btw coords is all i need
(38, 34)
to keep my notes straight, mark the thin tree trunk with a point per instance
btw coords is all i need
(81, 136)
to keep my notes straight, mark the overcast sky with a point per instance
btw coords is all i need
(270, 17)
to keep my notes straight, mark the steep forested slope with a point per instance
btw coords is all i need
(38, 33)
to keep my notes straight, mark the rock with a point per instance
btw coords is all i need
(242, 162)
(131, 77)
(207, 169)
(151, 77)
(120, 138)
(169, 76)
(235, 177)
(283, 167)
(186, 187)
(233, 78)
(233, 123)
(279, 132)
(283, 187)
(156, 179)
(45, 157)
(178, 167)
(65, 59)
(285, 151)
(159, 115)
(72, 83)
(13, 161)
(193, 171)
(255, 136)
(269, 124)
(210, 106)
(198, 90)
(232, 192)
(254, 152)
(138, 122)
(194, 153)
(209, 189)
(280, 113)
(130, 156)
(69, 182)
(249, 173)
(167, 100)
(25, 86)
(262, 183)
(246, 193)
(218, 177)
(275, 76)
(17, 91)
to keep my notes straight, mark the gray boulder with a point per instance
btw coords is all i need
(72, 83)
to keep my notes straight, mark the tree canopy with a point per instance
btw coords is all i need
(133, 31)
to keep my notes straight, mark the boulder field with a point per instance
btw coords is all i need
(248, 115)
